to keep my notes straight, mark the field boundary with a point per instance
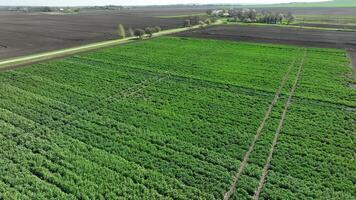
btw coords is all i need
(12, 63)
(181, 16)
(292, 26)
(232, 188)
(352, 56)
(277, 133)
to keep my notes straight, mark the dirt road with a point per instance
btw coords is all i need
(352, 56)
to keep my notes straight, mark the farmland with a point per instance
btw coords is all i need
(278, 35)
(23, 34)
(321, 4)
(152, 120)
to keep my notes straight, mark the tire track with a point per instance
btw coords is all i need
(280, 126)
(232, 188)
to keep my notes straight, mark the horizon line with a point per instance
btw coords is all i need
(192, 4)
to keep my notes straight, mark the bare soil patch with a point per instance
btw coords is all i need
(335, 26)
(31, 33)
(277, 35)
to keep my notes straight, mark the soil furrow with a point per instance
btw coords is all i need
(280, 126)
(232, 189)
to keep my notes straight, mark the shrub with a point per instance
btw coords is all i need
(139, 33)
(121, 31)
(149, 31)
(213, 19)
(158, 29)
(207, 21)
(131, 32)
(187, 23)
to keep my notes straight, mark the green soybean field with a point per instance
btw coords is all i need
(178, 118)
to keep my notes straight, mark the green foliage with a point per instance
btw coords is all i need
(187, 23)
(139, 33)
(152, 120)
(290, 18)
(157, 29)
(207, 21)
(149, 31)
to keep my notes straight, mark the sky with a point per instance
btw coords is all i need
(136, 2)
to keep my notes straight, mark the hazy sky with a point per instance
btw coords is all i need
(136, 2)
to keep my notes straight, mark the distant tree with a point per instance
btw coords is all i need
(207, 21)
(280, 17)
(242, 14)
(46, 9)
(233, 13)
(274, 18)
(194, 20)
(252, 14)
(247, 20)
(224, 13)
(121, 31)
(131, 32)
(149, 31)
(153, 30)
(262, 16)
(268, 18)
(187, 23)
(290, 18)
(158, 29)
(209, 12)
(139, 33)
(213, 19)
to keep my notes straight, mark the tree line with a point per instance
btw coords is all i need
(196, 20)
(140, 33)
(149, 31)
(253, 16)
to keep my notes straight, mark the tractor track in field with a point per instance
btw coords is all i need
(143, 85)
(352, 56)
(232, 188)
(278, 131)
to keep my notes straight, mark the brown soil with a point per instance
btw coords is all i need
(277, 35)
(336, 26)
(23, 34)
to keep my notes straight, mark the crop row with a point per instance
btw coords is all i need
(248, 65)
(315, 156)
(316, 148)
(152, 120)
(37, 104)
